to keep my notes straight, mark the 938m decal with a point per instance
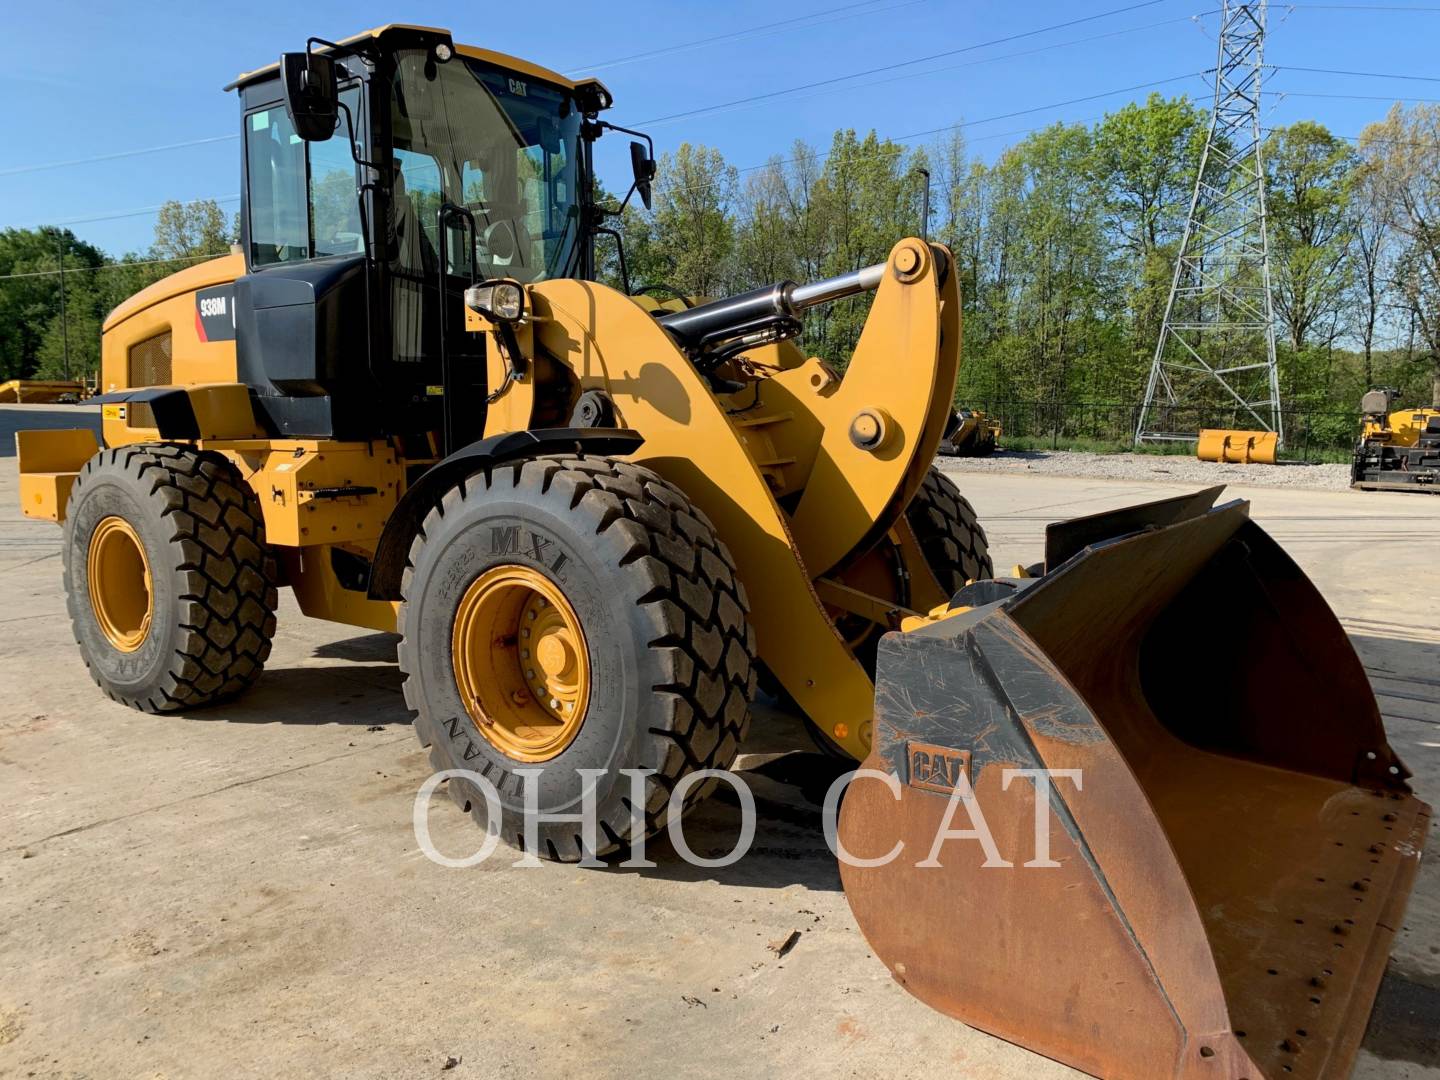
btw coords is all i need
(215, 313)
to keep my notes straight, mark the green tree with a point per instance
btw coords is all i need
(189, 230)
(1308, 193)
(866, 197)
(1144, 169)
(1144, 164)
(70, 349)
(764, 232)
(1371, 251)
(30, 290)
(1404, 151)
(692, 233)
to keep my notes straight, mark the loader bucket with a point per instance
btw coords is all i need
(1237, 447)
(1230, 864)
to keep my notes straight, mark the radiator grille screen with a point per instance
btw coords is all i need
(149, 366)
(150, 361)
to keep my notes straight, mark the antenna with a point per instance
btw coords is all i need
(1216, 353)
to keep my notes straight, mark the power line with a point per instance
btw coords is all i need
(1359, 97)
(109, 266)
(1363, 74)
(899, 64)
(1435, 145)
(846, 11)
(19, 169)
(1364, 7)
(972, 123)
(117, 215)
(1005, 56)
(775, 27)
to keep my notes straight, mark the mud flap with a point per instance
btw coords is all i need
(1232, 855)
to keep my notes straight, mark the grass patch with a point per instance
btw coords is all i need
(1092, 446)
(1047, 443)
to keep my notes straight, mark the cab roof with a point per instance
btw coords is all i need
(511, 63)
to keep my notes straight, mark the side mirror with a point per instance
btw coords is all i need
(312, 94)
(643, 166)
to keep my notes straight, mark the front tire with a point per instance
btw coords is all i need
(168, 582)
(645, 628)
(949, 533)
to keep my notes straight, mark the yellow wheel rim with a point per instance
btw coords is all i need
(120, 587)
(521, 663)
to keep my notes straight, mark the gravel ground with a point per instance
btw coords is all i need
(1155, 467)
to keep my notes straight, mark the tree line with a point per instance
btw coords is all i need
(1065, 246)
(36, 341)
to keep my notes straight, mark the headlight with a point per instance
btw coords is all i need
(503, 300)
(443, 52)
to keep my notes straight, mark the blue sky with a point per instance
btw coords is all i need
(83, 80)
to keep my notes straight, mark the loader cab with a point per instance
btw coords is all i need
(382, 176)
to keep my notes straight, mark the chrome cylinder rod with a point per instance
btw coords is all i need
(837, 288)
(707, 323)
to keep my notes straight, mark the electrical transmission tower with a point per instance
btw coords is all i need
(1215, 360)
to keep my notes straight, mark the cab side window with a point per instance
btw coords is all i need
(303, 201)
(275, 162)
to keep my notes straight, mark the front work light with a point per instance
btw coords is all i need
(503, 299)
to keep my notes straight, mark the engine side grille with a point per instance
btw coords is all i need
(149, 366)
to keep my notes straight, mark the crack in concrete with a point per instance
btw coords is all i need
(198, 795)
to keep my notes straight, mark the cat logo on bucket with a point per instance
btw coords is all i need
(936, 768)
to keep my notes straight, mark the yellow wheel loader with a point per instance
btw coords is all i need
(594, 519)
(972, 434)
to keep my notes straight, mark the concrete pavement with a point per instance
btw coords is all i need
(239, 892)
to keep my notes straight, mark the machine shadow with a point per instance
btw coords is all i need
(788, 847)
(363, 695)
(1405, 1025)
(379, 648)
(363, 691)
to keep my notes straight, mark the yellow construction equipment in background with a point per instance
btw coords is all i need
(972, 434)
(42, 391)
(1398, 449)
(595, 520)
(1237, 447)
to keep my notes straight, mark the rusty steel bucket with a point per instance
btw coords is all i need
(1237, 857)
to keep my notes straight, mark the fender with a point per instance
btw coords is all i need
(388, 565)
(182, 413)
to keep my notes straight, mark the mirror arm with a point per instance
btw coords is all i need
(607, 126)
(634, 186)
(364, 48)
(350, 131)
(620, 251)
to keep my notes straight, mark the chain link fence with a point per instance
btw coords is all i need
(1310, 434)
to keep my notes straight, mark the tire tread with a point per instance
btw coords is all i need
(227, 594)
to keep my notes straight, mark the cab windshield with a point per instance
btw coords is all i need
(502, 145)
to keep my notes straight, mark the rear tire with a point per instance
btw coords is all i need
(949, 533)
(669, 656)
(176, 531)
